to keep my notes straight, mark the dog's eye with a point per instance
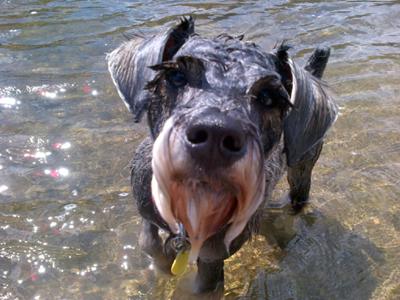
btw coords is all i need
(176, 78)
(265, 98)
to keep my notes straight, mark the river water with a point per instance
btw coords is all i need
(68, 225)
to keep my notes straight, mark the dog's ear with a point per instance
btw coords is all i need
(129, 64)
(313, 110)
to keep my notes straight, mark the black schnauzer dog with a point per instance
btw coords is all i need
(226, 121)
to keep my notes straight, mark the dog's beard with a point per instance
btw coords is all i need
(204, 203)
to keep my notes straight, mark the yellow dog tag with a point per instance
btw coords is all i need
(180, 263)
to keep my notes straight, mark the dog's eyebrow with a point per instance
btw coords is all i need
(165, 66)
(271, 78)
(271, 82)
(180, 62)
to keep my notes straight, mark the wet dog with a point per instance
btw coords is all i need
(226, 120)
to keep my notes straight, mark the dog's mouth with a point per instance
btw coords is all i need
(204, 201)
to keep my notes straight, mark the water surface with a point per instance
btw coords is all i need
(68, 225)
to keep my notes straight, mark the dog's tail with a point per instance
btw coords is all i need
(317, 62)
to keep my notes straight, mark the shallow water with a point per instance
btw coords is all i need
(68, 225)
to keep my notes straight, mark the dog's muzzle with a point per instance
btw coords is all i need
(207, 175)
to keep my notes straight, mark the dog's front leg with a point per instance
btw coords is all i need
(209, 275)
(149, 239)
(151, 243)
(210, 264)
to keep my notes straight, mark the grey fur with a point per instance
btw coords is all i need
(226, 78)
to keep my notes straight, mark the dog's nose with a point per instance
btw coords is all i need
(215, 140)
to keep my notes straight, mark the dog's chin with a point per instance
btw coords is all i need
(204, 203)
(203, 208)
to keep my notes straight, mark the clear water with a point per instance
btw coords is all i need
(68, 225)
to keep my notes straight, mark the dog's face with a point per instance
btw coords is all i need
(216, 110)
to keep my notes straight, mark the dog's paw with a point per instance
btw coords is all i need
(297, 204)
(186, 289)
(297, 207)
(202, 287)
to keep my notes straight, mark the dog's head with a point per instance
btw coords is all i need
(216, 109)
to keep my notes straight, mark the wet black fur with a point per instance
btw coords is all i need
(179, 73)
